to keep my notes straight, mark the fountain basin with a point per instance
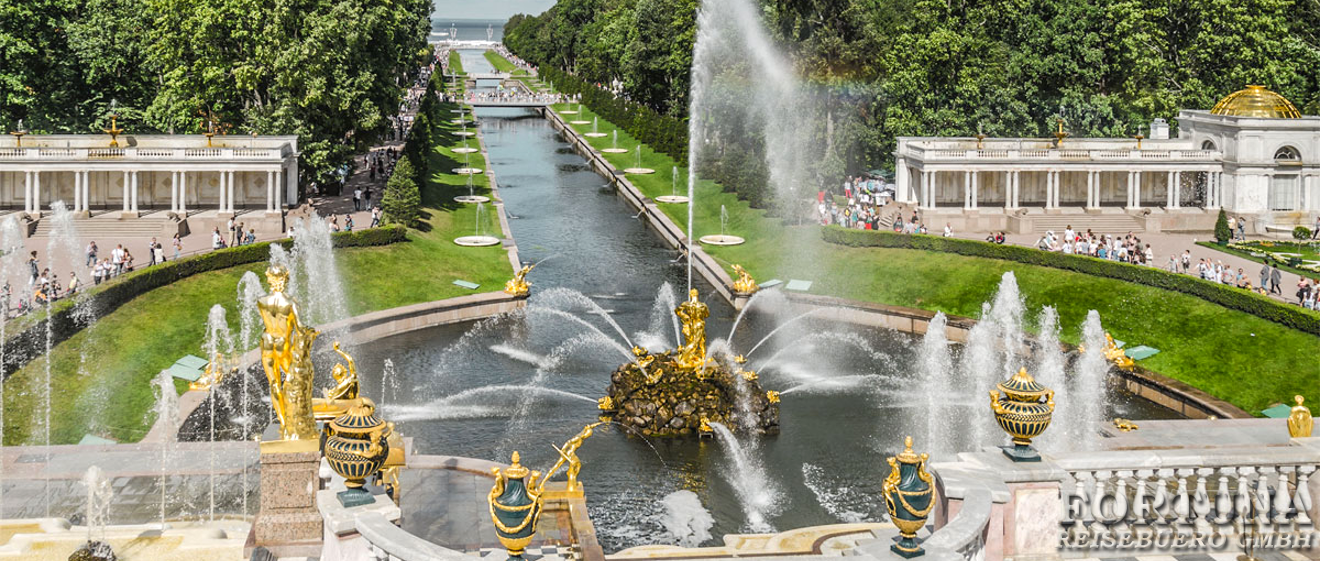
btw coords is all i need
(477, 241)
(462, 122)
(568, 112)
(579, 122)
(614, 150)
(468, 171)
(672, 199)
(464, 133)
(722, 239)
(595, 134)
(465, 150)
(471, 199)
(638, 171)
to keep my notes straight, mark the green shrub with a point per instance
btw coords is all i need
(1222, 233)
(1223, 295)
(663, 133)
(65, 321)
(402, 201)
(1301, 233)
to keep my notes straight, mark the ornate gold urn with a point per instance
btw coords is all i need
(514, 507)
(1022, 414)
(909, 493)
(356, 446)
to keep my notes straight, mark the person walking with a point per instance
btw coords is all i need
(178, 246)
(1276, 279)
(91, 253)
(151, 252)
(375, 216)
(158, 253)
(1264, 277)
(357, 198)
(32, 268)
(1186, 260)
(1242, 229)
(117, 258)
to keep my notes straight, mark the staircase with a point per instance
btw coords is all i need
(1098, 223)
(108, 229)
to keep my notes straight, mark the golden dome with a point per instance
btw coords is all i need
(1256, 101)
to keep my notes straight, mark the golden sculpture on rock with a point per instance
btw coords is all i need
(518, 285)
(343, 395)
(743, 285)
(1116, 355)
(286, 357)
(692, 314)
(1300, 421)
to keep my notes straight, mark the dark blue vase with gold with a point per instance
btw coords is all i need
(909, 497)
(356, 445)
(514, 507)
(1024, 412)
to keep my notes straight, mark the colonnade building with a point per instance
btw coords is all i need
(170, 181)
(1253, 155)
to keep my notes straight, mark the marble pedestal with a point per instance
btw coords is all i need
(288, 522)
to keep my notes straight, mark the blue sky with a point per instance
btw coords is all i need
(488, 9)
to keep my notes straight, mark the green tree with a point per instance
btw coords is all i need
(401, 203)
(1222, 233)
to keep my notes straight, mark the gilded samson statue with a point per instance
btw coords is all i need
(286, 357)
(692, 314)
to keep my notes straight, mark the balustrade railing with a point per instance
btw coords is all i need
(140, 153)
(1060, 154)
(1202, 489)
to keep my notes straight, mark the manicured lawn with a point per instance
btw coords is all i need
(112, 396)
(1243, 359)
(502, 64)
(455, 63)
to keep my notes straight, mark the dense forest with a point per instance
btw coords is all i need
(947, 67)
(329, 71)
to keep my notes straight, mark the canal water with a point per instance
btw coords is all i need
(486, 389)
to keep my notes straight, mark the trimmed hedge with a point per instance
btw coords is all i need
(663, 133)
(1229, 297)
(66, 319)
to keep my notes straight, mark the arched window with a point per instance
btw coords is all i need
(1208, 145)
(1288, 155)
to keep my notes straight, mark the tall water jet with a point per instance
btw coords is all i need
(319, 290)
(11, 244)
(1049, 371)
(97, 508)
(744, 89)
(62, 252)
(167, 419)
(218, 346)
(1087, 393)
(934, 369)
(757, 493)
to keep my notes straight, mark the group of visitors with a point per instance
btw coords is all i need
(512, 95)
(234, 235)
(1127, 249)
(503, 51)
(864, 198)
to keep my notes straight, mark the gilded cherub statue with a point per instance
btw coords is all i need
(213, 374)
(692, 314)
(518, 285)
(743, 285)
(286, 357)
(1116, 355)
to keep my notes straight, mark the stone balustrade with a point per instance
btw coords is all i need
(933, 155)
(83, 154)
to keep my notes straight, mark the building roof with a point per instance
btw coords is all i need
(1257, 102)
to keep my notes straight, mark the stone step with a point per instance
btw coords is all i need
(108, 229)
(1099, 223)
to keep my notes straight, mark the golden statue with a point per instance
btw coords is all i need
(605, 403)
(743, 285)
(286, 357)
(693, 314)
(213, 374)
(1299, 421)
(568, 455)
(1125, 425)
(705, 426)
(749, 375)
(518, 285)
(343, 395)
(1116, 355)
(773, 396)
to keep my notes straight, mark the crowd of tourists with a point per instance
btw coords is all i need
(863, 200)
(511, 95)
(503, 51)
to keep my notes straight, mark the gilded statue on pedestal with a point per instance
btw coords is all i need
(213, 374)
(286, 357)
(1299, 421)
(1116, 355)
(743, 285)
(568, 455)
(693, 314)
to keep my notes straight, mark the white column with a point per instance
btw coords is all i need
(27, 191)
(1008, 190)
(270, 191)
(229, 191)
(279, 190)
(174, 191)
(127, 202)
(976, 187)
(134, 207)
(183, 193)
(36, 193)
(1017, 188)
(967, 190)
(1136, 189)
(1129, 191)
(87, 191)
(1049, 189)
(77, 191)
(901, 183)
(1177, 190)
(1219, 190)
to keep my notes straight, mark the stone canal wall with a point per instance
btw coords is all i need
(1152, 386)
